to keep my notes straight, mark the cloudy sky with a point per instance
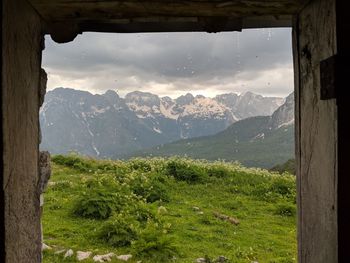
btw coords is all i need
(173, 64)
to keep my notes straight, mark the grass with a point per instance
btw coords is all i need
(162, 210)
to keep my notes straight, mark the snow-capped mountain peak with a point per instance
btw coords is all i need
(108, 125)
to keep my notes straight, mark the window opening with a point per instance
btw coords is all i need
(153, 140)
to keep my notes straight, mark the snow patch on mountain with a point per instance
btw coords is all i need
(168, 111)
(95, 148)
(290, 122)
(96, 110)
(157, 130)
(259, 136)
(205, 107)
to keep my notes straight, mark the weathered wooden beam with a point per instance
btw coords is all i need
(66, 18)
(211, 25)
(82, 10)
(317, 140)
(20, 70)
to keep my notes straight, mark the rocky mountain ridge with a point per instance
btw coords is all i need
(261, 141)
(108, 126)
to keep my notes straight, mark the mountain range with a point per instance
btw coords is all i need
(262, 141)
(109, 126)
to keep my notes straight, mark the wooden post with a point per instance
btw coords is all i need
(314, 40)
(2, 194)
(21, 65)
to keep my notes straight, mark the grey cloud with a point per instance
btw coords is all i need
(183, 59)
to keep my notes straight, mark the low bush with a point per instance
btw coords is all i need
(85, 164)
(263, 192)
(157, 192)
(61, 185)
(218, 171)
(140, 165)
(287, 167)
(141, 212)
(283, 186)
(98, 205)
(154, 244)
(73, 161)
(103, 183)
(183, 171)
(274, 189)
(151, 189)
(119, 231)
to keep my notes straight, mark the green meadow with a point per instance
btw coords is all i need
(169, 210)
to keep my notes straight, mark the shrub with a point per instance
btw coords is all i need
(140, 165)
(119, 231)
(154, 244)
(287, 167)
(263, 192)
(61, 186)
(283, 187)
(98, 205)
(217, 171)
(280, 187)
(73, 161)
(183, 171)
(151, 189)
(142, 213)
(157, 192)
(85, 164)
(106, 183)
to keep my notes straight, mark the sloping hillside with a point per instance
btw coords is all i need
(258, 141)
(168, 210)
(249, 141)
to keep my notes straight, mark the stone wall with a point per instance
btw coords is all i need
(20, 94)
(316, 128)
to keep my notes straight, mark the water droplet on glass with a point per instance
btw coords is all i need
(269, 34)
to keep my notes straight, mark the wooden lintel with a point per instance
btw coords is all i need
(196, 25)
(155, 16)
